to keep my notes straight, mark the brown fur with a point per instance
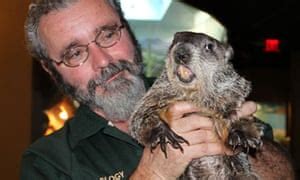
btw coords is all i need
(273, 162)
(197, 70)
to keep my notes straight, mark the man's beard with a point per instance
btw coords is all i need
(118, 97)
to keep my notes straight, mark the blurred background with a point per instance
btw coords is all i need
(264, 35)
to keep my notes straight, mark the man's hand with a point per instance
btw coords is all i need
(197, 130)
(247, 109)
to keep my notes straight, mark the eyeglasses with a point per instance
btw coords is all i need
(106, 38)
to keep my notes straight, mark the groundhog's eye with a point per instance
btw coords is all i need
(209, 46)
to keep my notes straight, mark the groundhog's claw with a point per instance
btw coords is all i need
(246, 135)
(239, 140)
(162, 135)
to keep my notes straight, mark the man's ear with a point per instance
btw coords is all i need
(45, 66)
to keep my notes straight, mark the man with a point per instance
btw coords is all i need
(89, 51)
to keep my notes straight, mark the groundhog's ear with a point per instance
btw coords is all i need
(228, 53)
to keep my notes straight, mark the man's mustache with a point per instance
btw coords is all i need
(113, 69)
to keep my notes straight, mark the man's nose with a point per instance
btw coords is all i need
(99, 57)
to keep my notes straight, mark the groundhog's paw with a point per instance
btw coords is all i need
(244, 140)
(245, 134)
(163, 135)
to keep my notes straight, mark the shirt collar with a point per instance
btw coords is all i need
(85, 123)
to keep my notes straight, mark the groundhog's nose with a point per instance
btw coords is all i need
(182, 55)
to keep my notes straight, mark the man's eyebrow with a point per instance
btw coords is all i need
(105, 27)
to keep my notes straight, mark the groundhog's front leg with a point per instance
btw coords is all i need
(149, 126)
(163, 135)
(245, 135)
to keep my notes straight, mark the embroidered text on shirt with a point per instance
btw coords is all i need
(117, 176)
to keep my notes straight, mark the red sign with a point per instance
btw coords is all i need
(272, 45)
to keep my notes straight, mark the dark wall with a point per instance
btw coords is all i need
(295, 102)
(15, 91)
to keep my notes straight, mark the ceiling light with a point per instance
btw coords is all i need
(153, 10)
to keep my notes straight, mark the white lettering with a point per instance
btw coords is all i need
(117, 176)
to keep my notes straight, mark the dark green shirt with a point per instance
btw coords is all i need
(86, 148)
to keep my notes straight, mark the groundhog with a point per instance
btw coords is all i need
(198, 71)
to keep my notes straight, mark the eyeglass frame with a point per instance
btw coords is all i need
(98, 43)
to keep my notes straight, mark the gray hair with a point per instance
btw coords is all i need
(39, 8)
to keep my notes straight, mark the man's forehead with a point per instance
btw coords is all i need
(102, 7)
(79, 20)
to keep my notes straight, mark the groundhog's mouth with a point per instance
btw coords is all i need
(184, 74)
